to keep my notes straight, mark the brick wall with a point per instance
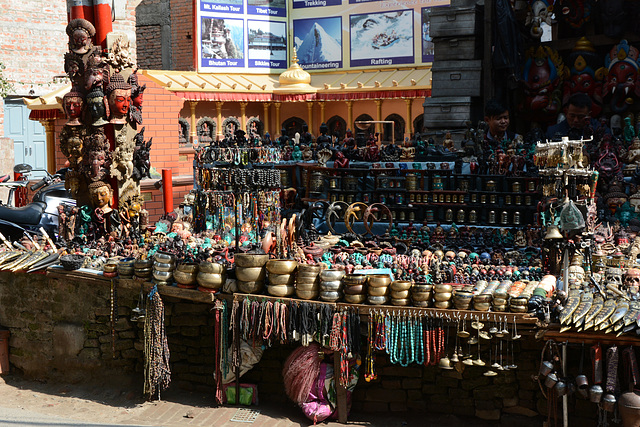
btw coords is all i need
(149, 39)
(182, 35)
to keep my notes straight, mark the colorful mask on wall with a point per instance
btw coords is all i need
(539, 11)
(119, 95)
(586, 74)
(73, 104)
(574, 13)
(542, 79)
(621, 84)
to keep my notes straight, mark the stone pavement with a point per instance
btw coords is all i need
(55, 404)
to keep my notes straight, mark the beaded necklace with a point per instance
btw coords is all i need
(268, 322)
(218, 326)
(334, 340)
(370, 369)
(344, 351)
(419, 359)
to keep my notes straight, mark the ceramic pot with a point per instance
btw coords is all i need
(251, 274)
(210, 280)
(281, 266)
(250, 287)
(250, 260)
(280, 290)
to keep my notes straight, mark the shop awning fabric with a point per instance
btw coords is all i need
(412, 82)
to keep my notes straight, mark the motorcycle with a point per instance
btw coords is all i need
(42, 212)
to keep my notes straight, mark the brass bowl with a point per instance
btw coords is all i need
(443, 288)
(281, 266)
(188, 267)
(330, 296)
(422, 304)
(500, 293)
(353, 289)
(420, 296)
(309, 268)
(306, 277)
(110, 267)
(355, 279)
(355, 299)
(210, 280)
(378, 292)
(184, 278)
(142, 263)
(379, 280)
(400, 285)
(212, 267)
(142, 272)
(463, 295)
(251, 274)
(281, 290)
(250, 287)
(400, 294)
(376, 299)
(518, 309)
(164, 257)
(499, 301)
(281, 279)
(499, 308)
(307, 287)
(399, 301)
(163, 276)
(250, 260)
(421, 288)
(481, 306)
(161, 266)
(520, 301)
(482, 298)
(333, 285)
(442, 296)
(331, 275)
(308, 295)
(442, 304)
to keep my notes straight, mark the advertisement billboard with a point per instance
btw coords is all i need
(258, 36)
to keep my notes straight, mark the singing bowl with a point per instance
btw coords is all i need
(353, 289)
(482, 298)
(442, 304)
(330, 296)
(461, 305)
(500, 308)
(187, 267)
(184, 278)
(421, 288)
(281, 279)
(518, 309)
(143, 263)
(443, 288)
(519, 301)
(399, 301)
(499, 301)
(354, 279)
(308, 268)
(462, 296)
(142, 272)
(212, 267)
(110, 267)
(404, 294)
(420, 296)
(306, 277)
(281, 266)
(442, 296)
(250, 260)
(401, 285)
(482, 306)
(376, 299)
(501, 294)
(164, 257)
(307, 287)
(162, 266)
(422, 304)
(210, 280)
(355, 299)
(308, 295)
(251, 274)
(250, 287)
(378, 292)
(332, 275)
(379, 281)
(331, 285)
(163, 276)
(281, 290)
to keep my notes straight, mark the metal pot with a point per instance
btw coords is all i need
(250, 260)
(546, 368)
(609, 402)
(281, 290)
(332, 275)
(595, 393)
(251, 274)
(281, 266)
(250, 287)
(551, 380)
(281, 279)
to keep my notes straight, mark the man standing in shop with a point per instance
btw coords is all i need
(578, 122)
(496, 116)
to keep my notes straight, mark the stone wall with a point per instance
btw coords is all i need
(60, 330)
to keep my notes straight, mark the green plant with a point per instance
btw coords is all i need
(6, 87)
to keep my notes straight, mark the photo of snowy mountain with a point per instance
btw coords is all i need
(378, 36)
(318, 42)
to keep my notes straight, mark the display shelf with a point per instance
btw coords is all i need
(588, 337)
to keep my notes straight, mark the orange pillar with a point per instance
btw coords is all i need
(102, 13)
(80, 9)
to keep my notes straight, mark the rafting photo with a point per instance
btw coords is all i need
(384, 38)
(318, 42)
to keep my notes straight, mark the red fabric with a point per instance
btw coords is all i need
(225, 96)
(379, 94)
(291, 97)
(52, 114)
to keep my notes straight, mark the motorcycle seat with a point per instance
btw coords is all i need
(29, 215)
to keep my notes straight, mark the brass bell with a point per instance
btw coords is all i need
(553, 233)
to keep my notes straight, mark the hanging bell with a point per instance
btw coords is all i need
(561, 388)
(445, 363)
(553, 233)
(609, 402)
(545, 368)
(595, 393)
(551, 380)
